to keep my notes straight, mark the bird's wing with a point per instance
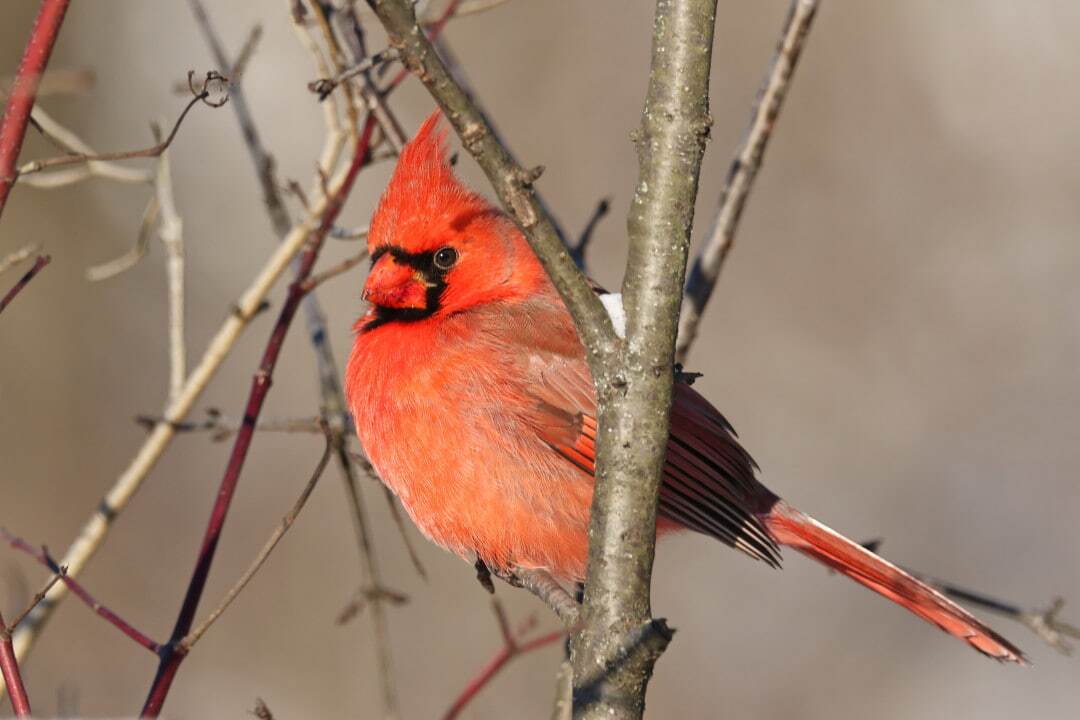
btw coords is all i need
(708, 483)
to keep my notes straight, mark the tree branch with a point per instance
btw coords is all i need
(618, 633)
(42, 556)
(744, 168)
(21, 99)
(172, 653)
(514, 644)
(9, 668)
(249, 304)
(40, 263)
(287, 521)
(198, 96)
(332, 406)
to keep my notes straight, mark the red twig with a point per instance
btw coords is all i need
(41, 262)
(172, 653)
(512, 647)
(42, 556)
(433, 32)
(24, 90)
(9, 667)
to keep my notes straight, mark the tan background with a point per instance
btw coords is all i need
(896, 337)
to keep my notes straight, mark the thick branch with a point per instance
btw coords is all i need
(619, 635)
(21, 99)
(744, 169)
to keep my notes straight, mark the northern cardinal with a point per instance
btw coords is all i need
(473, 400)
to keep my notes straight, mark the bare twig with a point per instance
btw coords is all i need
(342, 267)
(171, 233)
(579, 248)
(359, 233)
(42, 556)
(67, 141)
(38, 597)
(514, 644)
(20, 100)
(130, 258)
(366, 595)
(221, 427)
(239, 66)
(246, 307)
(287, 521)
(744, 168)
(200, 95)
(12, 259)
(40, 263)
(324, 86)
(172, 654)
(332, 404)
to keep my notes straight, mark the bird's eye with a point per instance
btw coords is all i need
(445, 258)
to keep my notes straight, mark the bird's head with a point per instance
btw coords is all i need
(438, 248)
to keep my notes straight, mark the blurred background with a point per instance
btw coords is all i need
(896, 337)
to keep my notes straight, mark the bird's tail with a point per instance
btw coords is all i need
(797, 530)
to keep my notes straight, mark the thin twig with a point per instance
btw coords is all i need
(199, 96)
(514, 645)
(221, 427)
(332, 406)
(12, 259)
(172, 654)
(287, 521)
(38, 597)
(20, 100)
(366, 595)
(40, 263)
(171, 232)
(359, 233)
(324, 86)
(131, 257)
(247, 50)
(249, 304)
(70, 583)
(744, 168)
(69, 142)
(342, 267)
(579, 248)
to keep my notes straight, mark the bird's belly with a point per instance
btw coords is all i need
(482, 489)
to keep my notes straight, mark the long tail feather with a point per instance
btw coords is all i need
(801, 532)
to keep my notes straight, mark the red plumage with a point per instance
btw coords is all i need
(474, 402)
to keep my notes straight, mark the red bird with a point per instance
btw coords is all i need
(474, 402)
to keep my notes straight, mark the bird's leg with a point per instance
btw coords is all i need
(483, 575)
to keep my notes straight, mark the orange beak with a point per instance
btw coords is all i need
(392, 284)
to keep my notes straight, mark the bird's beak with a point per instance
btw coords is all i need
(395, 285)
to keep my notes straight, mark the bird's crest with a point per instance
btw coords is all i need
(423, 196)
